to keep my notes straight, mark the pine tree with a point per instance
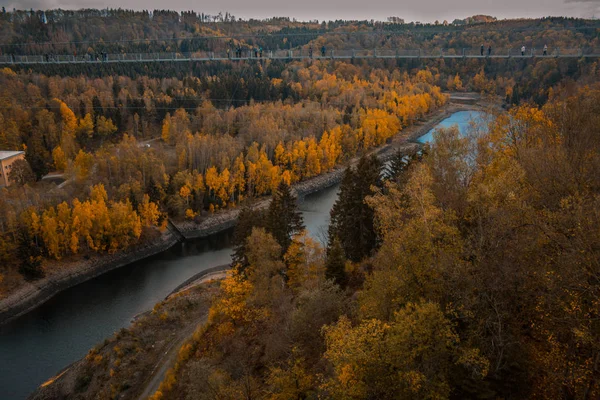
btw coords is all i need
(247, 219)
(153, 191)
(516, 98)
(133, 200)
(335, 264)
(30, 255)
(97, 109)
(171, 189)
(339, 222)
(351, 218)
(398, 164)
(284, 219)
(38, 157)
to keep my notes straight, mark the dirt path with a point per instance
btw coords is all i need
(169, 356)
(168, 359)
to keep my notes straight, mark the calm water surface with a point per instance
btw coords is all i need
(462, 119)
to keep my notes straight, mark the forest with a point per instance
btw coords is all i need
(467, 271)
(470, 271)
(161, 141)
(168, 148)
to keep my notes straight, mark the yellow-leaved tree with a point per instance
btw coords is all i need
(410, 357)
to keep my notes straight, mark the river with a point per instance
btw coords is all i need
(462, 119)
(37, 345)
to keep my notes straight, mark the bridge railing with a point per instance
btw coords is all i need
(452, 52)
(282, 53)
(539, 52)
(303, 53)
(286, 53)
(568, 52)
(591, 51)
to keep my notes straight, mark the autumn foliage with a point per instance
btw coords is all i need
(153, 156)
(481, 283)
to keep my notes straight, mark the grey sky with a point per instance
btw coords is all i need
(410, 10)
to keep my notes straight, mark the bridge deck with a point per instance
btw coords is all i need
(456, 54)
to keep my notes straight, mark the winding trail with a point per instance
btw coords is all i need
(168, 359)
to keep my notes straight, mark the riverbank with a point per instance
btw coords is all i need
(133, 361)
(33, 294)
(403, 141)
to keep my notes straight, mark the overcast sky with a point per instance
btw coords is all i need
(410, 10)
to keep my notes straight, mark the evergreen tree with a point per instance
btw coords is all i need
(400, 164)
(171, 190)
(335, 264)
(97, 108)
(339, 222)
(38, 157)
(197, 201)
(247, 219)
(153, 191)
(397, 165)
(351, 218)
(133, 200)
(284, 219)
(82, 109)
(30, 255)
(516, 98)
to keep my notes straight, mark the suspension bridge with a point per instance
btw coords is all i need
(299, 54)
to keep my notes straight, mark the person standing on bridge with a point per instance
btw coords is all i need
(228, 53)
(490, 50)
(523, 50)
(323, 50)
(545, 49)
(482, 47)
(310, 52)
(260, 51)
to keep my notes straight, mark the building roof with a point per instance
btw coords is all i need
(9, 154)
